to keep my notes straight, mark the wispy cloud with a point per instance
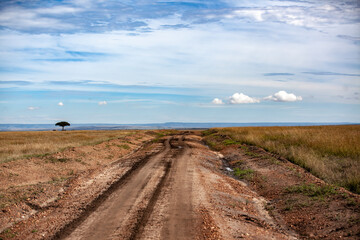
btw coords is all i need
(60, 104)
(278, 74)
(332, 74)
(60, 60)
(31, 108)
(102, 103)
(312, 15)
(112, 15)
(176, 26)
(58, 10)
(18, 18)
(355, 40)
(21, 83)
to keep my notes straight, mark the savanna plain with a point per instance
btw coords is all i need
(220, 183)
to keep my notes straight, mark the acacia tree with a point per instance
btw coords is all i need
(62, 124)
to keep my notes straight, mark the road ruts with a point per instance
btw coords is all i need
(181, 221)
(125, 212)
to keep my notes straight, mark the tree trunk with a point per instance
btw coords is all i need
(62, 128)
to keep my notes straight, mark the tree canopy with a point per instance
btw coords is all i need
(62, 124)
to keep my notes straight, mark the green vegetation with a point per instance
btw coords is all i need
(230, 142)
(124, 146)
(307, 195)
(312, 190)
(331, 153)
(244, 173)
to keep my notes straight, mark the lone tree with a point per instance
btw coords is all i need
(62, 124)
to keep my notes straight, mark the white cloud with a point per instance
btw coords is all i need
(23, 19)
(31, 108)
(217, 101)
(253, 13)
(102, 103)
(313, 15)
(57, 10)
(237, 98)
(283, 96)
(60, 104)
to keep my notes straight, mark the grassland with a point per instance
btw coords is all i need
(329, 152)
(15, 145)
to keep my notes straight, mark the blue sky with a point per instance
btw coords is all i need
(97, 61)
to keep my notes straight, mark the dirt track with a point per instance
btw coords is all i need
(168, 196)
(125, 213)
(173, 188)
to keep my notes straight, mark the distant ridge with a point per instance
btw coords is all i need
(168, 125)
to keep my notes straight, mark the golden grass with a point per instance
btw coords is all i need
(329, 152)
(15, 145)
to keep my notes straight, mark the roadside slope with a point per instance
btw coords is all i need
(295, 197)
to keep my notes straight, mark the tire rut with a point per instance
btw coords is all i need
(139, 227)
(124, 208)
(181, 221)
(69, 228)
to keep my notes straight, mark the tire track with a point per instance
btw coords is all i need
(125, 207)
(139, 227)
(95, 204)
(181, 222)
(177, 150)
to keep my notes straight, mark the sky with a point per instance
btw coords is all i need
(153, 61)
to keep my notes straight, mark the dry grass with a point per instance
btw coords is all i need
(329, 152)
(15, 145)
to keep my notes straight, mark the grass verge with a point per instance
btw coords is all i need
(331, 153)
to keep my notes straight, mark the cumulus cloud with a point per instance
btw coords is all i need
(238, 98)
(283, 96)
(31, 108)
(60, 104)
(217, 101)
(102, 103)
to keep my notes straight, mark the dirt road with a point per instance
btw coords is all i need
(167, 197)
(125, 213)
